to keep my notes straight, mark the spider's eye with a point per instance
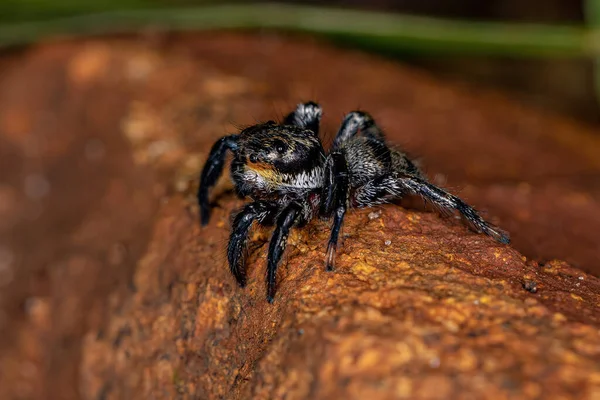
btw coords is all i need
(253, 158)
(280, 146)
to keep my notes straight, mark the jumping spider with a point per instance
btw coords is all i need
(284, 169)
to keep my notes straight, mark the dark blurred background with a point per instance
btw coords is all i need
(562, 84)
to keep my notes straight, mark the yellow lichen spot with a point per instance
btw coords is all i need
(450, 325)
(497, 253)
(576, 297)
(213, 313)
(368, 360)
(363, 268)
(403, 387)
(403, 265)
(571, 358)
(414, 217)
(403, 354)
(558, 317)
(466, 361)
(190, 293)
(485, 300)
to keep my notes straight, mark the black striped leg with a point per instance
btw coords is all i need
(212, 171)
(260, 211)
(306, 115)
(386, 188)
(296, 213)
(334, 200)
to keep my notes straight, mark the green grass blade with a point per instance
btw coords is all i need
(592, 15)
(383, 31)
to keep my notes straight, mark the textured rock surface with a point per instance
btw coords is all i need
(437, 313)
(94, 135)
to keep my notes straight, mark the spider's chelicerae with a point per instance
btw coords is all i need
(284, 169)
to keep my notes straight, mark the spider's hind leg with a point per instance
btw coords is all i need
(388, 187)
(306, 115)
(355, 122)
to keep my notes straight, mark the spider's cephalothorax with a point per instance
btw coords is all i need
(285, 171)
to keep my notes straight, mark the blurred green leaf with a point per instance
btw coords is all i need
(37, 10)
(592, 15)
(376, 30)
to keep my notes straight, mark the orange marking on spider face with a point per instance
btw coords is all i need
(259, 166)
(267, 171)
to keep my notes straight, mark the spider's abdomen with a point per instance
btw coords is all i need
(403, 165)
(367, 159)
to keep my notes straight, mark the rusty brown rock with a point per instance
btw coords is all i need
(438, 311)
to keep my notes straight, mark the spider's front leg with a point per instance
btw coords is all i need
(296, 213)
(212, 171)
(385, 188)
(262, 212)
(334, 200)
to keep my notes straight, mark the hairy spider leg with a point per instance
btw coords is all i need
(296, 213)
(306, 115)
(388, 187)
(334, 197)
(355, 122)
(264, 213)
(212, 171)
(335, 200)
(328, 191)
